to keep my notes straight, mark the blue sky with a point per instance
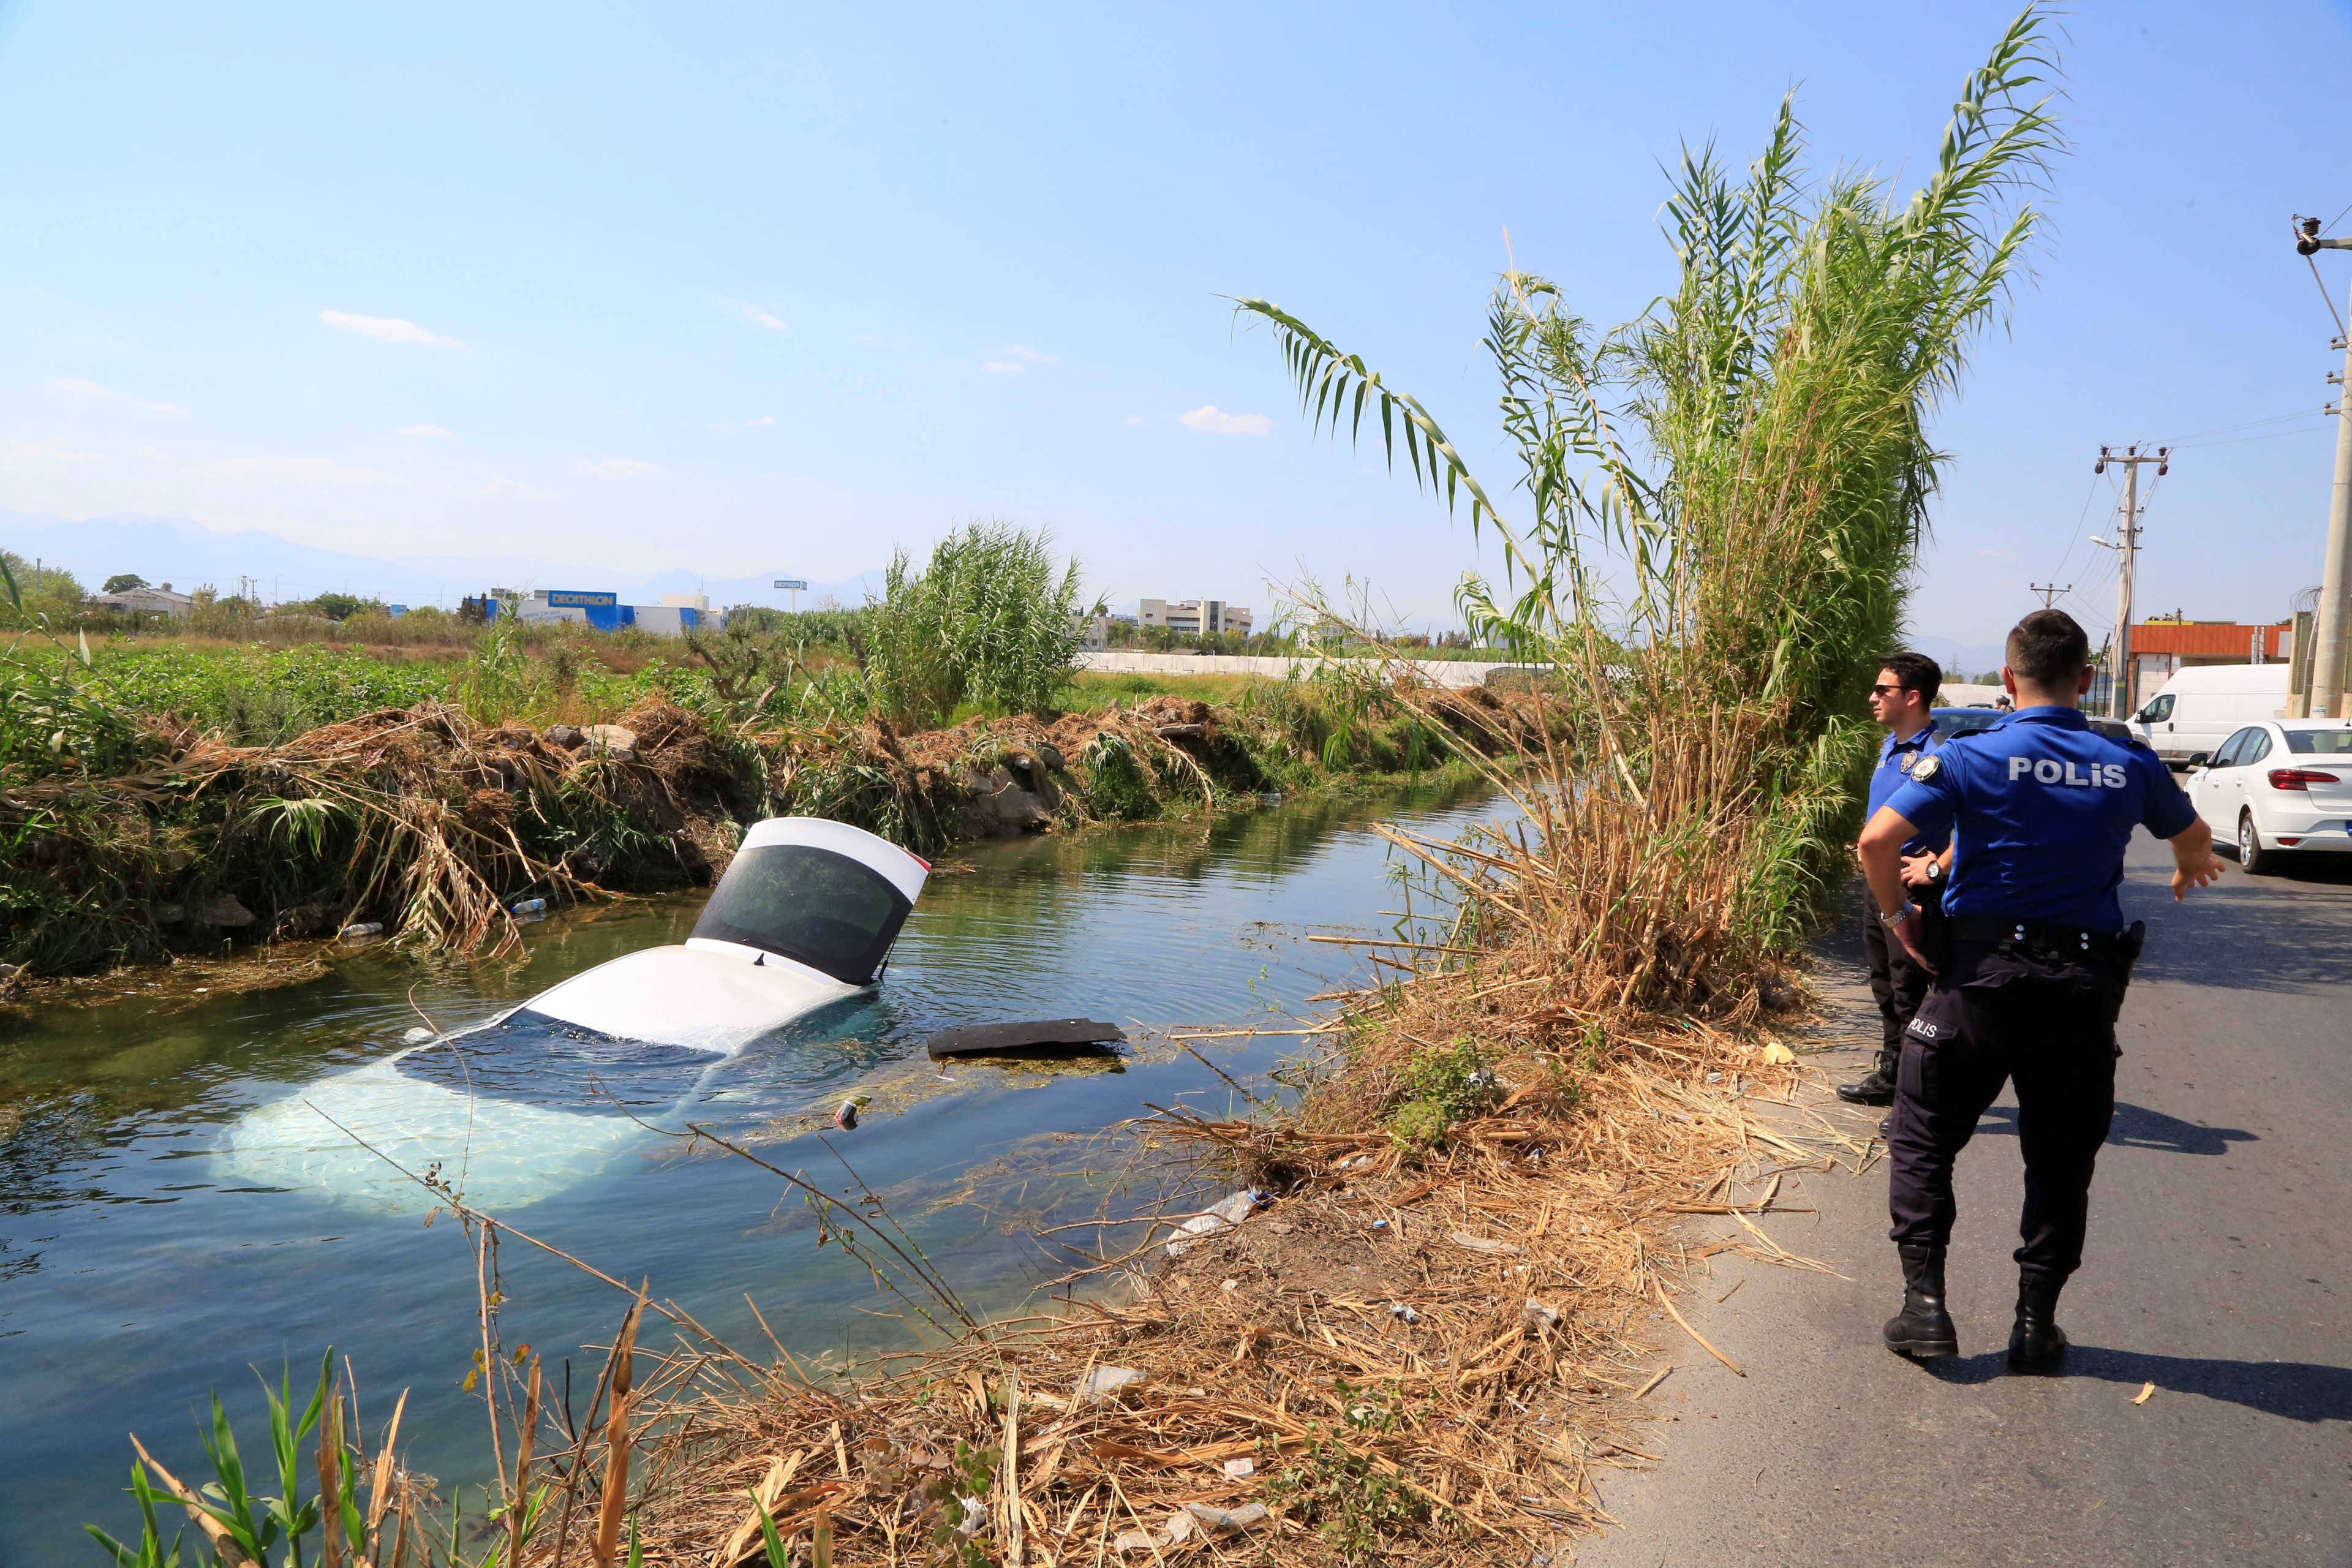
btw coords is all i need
(743, 289)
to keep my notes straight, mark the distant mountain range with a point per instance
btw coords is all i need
(187, 555)
(1962, 661)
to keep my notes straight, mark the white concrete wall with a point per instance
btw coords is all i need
(1122, 661)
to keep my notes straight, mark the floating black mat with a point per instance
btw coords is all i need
(981, 1038)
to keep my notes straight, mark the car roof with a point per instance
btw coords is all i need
(2309, 723)
(901, 869)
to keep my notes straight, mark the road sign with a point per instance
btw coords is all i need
(796, 584)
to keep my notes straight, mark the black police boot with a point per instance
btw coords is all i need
(1878, 1087)
(1922, 1327)
(2037, 1345)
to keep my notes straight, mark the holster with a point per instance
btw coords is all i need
(2127, 950)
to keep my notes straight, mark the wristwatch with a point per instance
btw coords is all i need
(1935, 870)
(1897, 918)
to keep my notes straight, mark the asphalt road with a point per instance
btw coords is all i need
(2218, 1268)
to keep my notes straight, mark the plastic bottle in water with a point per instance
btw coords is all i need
(531, 907)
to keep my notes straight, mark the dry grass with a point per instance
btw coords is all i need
(1531, 1248)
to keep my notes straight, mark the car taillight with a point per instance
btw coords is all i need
(2299, 778)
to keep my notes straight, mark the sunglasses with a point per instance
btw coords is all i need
(1882, 690)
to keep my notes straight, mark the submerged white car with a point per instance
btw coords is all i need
(2283, 787)
(541, 1097)
(804, 916)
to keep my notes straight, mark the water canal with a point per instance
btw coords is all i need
(171, 1217)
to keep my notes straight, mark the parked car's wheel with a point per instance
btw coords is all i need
(2255, 860)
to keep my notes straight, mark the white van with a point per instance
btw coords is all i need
(2202, 706)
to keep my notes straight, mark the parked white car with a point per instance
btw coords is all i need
(2201, 707)
(2280, 787)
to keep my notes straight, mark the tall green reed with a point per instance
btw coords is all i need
(988, 622)
(1721, 501)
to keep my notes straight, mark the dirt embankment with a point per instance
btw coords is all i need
(432, 826)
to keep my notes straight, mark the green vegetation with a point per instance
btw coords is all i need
(1335, 1488)
(1438, 1088)
(988, 624)
(37, 595)
(383, 1518)
(1724, 499)
(188, 794)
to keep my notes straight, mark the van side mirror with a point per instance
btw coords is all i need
(2200, 760)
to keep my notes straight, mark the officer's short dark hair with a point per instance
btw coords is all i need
(1916, 672)
(2048, 649)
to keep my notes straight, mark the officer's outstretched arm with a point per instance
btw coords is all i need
(2193, 864)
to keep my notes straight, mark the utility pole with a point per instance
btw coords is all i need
(2050, 592)
(2335, 574)
(2126, 549)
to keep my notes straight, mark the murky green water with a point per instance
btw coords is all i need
(141, 1269)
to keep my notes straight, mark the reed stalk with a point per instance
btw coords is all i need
(607, 1546)
(519, 1495)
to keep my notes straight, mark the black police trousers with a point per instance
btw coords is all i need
(2043, 1020)
(1897, 981)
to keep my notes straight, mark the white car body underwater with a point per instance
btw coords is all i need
(803, 918)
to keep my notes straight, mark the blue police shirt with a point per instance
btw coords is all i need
(2044, 805)
(1895, 761)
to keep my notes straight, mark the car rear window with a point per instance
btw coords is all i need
(1966, 720)
(812, 906)
(2320, 743)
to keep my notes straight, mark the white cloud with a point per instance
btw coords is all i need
(763, 419)
(152, 454)
(1209, 418)
(430, 432)
(163, 407)
(753, 313)
(1135, 420)
(1996, 554)
(621, 469)
(1017, 357)
(81, 388)
(294, 471)
(52, 450)
(500, 485)
(386, 329)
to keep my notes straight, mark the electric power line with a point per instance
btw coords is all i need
(2321, 415)
(2242, 425)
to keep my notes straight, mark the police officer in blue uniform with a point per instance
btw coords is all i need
(2030, 974)
(1903, 700)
